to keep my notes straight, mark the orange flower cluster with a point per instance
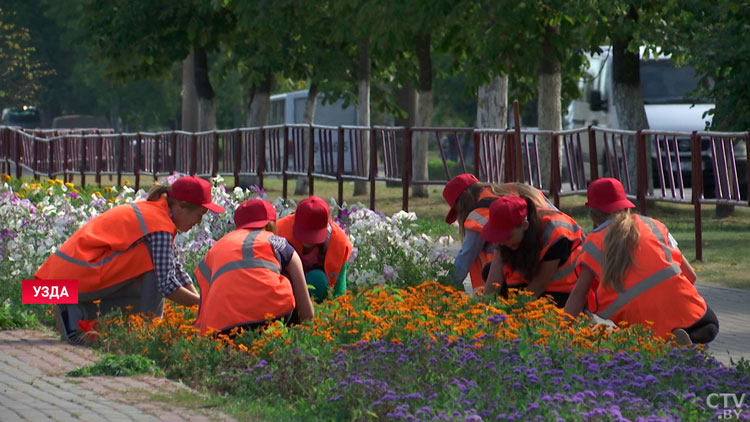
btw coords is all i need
(397, 315)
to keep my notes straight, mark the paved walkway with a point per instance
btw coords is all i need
(34, 388)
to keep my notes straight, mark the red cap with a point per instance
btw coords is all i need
(195, 191)
(506, 213)
(453, 190)
(254, 214)
(607, 195)
(311, 221)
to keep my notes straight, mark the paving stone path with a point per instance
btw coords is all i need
(34, 388)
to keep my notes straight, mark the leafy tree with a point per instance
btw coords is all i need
(21, 71)
(142, 39)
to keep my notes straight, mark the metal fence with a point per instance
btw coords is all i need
(652, 165)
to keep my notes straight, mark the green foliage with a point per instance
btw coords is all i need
(22, 71)
(13, 316)
(118, 366)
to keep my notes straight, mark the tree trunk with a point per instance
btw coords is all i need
(204, 91)
(424, 115)
(189, 96)
(260, 102)
(549, 106)
(309, 117)
(258, 109)
(628, 100)
(363, 104)
(492, 103)
(492, 113)
(406, 100)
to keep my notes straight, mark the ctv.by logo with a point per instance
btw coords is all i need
(726, 405)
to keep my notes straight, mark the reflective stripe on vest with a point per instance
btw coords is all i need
(106, 259)
(248, 261)
(640, 288)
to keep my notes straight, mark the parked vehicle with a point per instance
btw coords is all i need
(25, 117)
(670, 105)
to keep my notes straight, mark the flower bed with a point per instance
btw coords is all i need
(395, 348)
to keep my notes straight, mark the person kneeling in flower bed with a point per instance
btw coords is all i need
(633, 264)
(470, 202)
(124, 259)
(321, 244)
(536, 249)
(245, 277)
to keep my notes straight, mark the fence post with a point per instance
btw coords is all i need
(340, 165)
(19, 149)
(193, 154)
(555, 170)
(215, 161)
(121, 142)
(475, 136)
(83, 161)
(173, 158)
(311, 161)
(406, 173)
(99, 158)
(65, 159)
(697, 163)
(747, 170)
(593, 155)
(262, 156)
(155, 163)
(137, 163)
(373, 165)
(51, 158)
(285, 165)
(237, 144)
(642, 174)
(36, 156)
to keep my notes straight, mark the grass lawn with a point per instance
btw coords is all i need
(726, 242)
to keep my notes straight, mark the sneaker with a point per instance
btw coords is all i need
(681, 337)
(61, 321)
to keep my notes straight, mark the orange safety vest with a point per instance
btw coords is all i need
(655, 288)
(555, 225)
(476, 220)
(108, 249)
(339, 247)
(241, 282)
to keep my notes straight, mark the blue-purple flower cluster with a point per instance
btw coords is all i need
(444, 380)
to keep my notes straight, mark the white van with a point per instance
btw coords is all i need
(667, 96)
(289, 108)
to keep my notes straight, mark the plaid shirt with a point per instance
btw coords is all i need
(169, 271)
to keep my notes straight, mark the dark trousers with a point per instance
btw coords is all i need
(705, 329)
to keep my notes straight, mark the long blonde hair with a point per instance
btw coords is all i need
(619, 243)
(469, 199)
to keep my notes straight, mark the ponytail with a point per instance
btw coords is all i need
(157, 191)
(619, 242)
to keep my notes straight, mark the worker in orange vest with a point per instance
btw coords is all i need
(535, 249)
(637, 272)
(321, 244)
(125, 259)
(469, 201)
(251, 275)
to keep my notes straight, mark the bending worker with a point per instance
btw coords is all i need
(125, 258)
(470, 201)
(251, 275)
(321, 244)
(637, 272)
(535, 250)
